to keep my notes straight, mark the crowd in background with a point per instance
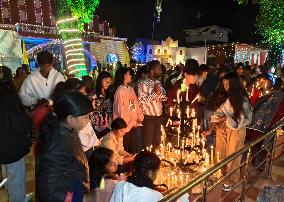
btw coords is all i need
(89, 134)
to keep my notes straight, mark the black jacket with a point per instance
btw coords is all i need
(15, 126)
(61, 166)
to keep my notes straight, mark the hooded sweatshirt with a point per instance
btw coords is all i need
(36, 87)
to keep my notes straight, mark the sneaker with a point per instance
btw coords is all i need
(227, 187)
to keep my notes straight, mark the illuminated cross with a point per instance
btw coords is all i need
(198, 17)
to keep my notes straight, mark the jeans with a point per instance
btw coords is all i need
(16, 183)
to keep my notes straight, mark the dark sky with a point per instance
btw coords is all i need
(133, 18)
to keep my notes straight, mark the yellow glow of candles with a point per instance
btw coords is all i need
(211, 155)
(171, 111)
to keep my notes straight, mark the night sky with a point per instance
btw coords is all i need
(134, 18)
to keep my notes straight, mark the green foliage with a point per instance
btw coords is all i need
(270, 24)
(83, 9)
(270, 21)
(61, 9)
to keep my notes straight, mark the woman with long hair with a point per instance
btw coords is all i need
(232, 112)
(126, 106)
(102, 175)
(101, 117)
(140, 185)
(62, 172)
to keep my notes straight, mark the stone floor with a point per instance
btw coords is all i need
(277, 178)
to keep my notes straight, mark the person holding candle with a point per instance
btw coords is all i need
(102, 175)
(232, 113)
(114, 141)
(190, 91)
(151, 94)
(140, 185)
(126, 106)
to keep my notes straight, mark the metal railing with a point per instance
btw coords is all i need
(246, 150)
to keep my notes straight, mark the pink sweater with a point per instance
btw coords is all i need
(126, 106)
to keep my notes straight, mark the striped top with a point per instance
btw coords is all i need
(150, 101)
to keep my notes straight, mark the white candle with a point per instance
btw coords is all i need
(203, 143)
(178, 96)
(187, 112)
(211, 155)
(179, 113)
(186, 94)
(171, 111)
(192, 141)
(218, 156)
(178, 135)
(193, 113)
(197, 97)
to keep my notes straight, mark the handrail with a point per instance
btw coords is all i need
(174, 195)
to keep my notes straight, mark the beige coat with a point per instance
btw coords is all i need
(115, 144)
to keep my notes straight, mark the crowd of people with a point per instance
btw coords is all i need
(89, 134)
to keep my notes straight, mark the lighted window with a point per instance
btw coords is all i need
(165, 52)
(159, 52)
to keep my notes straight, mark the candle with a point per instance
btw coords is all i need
(178, 135)
(171, 111)
(194, 136)
(219, 172)
(179, 113)
(193, 113)
(207, 163)
(218, 156)
(186, 94)
(211, 155)
(187, 112)
(192, 141)
(197, 97)
(203, 143)
(178, 96)
(182, 144)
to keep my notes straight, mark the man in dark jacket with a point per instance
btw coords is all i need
(15, 126)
